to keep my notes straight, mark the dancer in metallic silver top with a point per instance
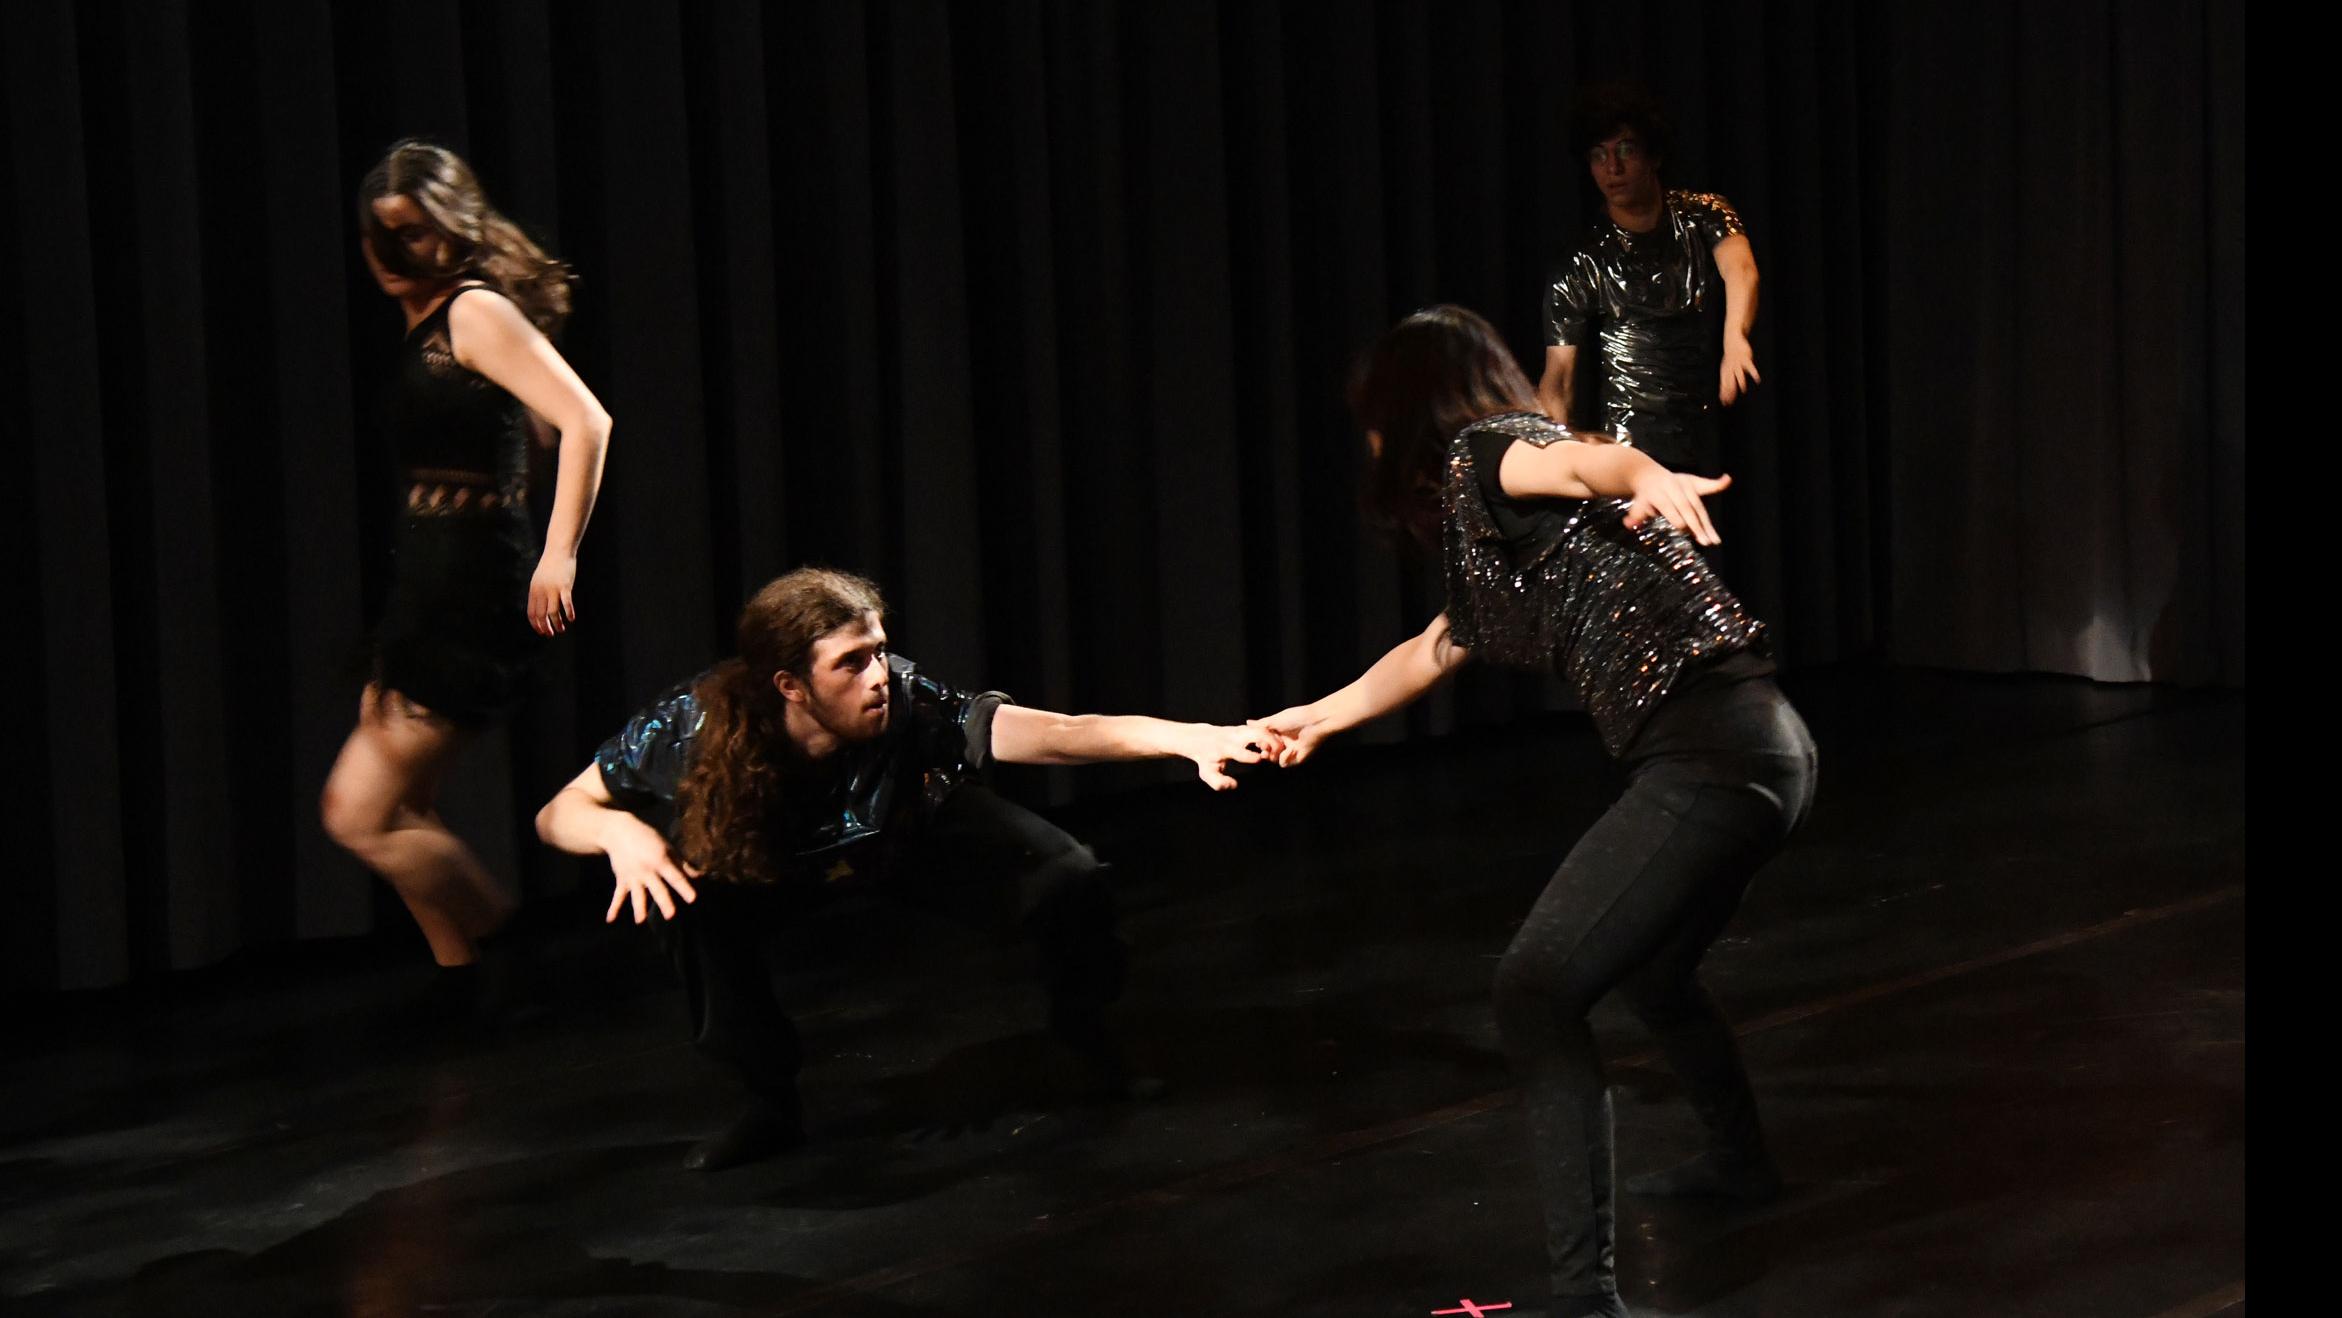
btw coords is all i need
(1664, 281)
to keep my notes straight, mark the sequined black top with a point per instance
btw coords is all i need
(1654, 302)
(936, 739)
(449, 424)
(1563, 584)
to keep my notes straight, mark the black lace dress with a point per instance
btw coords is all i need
(454, 636)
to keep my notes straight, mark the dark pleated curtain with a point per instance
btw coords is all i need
(1039, 314)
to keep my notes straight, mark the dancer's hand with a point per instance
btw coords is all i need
(1213, 748)
(1676, 497)
(1300, 728)
(1739, 373)
(645, 871)
(551, 608)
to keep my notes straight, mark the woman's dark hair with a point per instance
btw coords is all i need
(1426, 378)
(484, 244)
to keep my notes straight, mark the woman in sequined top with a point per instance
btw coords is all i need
(473, 594)
(1566, 552)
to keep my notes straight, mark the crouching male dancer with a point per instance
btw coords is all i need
(817, 762)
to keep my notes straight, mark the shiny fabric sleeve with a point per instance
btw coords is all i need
(1711, 215)
(643, 765)
(951, 729)
(1571, 302)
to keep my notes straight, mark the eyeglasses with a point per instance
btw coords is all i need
(1624, 150)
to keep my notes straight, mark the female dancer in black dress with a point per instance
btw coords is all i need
(473, 595)
(1566, 552)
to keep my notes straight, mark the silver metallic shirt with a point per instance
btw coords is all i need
(1654, 302)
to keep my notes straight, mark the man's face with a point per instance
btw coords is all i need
(845, 688)
(1623, 168)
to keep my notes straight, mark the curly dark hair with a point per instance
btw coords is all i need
(1605, 108)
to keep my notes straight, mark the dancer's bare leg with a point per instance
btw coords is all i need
(380, 804)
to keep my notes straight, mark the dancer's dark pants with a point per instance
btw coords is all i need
(1716, 781)
(982, 859)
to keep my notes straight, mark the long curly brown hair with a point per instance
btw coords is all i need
(743, 754)
(483, 243)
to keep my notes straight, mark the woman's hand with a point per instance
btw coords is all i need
(551, 605)
(1299, 729)
(1676, 497)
